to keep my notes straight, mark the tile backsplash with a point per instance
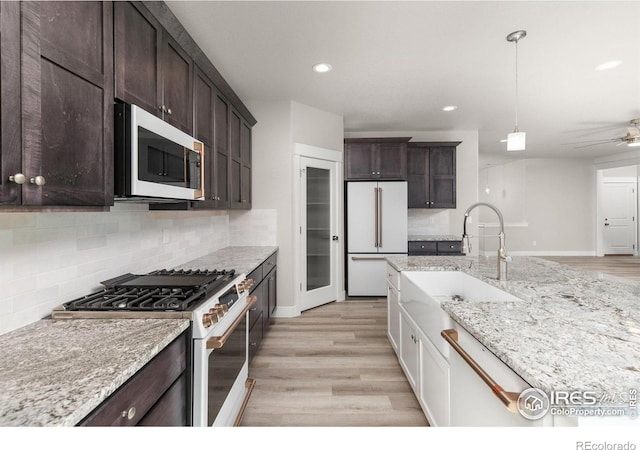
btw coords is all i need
(49, 258)
(428, 222)
(253, 227)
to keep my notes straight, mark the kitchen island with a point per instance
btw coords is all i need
(56, 372)
(574, 330)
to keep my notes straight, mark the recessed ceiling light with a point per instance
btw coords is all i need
(322, 68)
(450, 108)
(609, 65)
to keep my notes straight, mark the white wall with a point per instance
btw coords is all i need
(280, 125)
(557, 198)
(444, 221)
(49, 258)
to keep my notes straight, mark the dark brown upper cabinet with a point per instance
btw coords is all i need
(239, 161)
(376, 158)
(431, 174)
(152, 70)
(66, 104)
(211, 123)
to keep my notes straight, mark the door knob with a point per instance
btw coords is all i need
(606, 224)
(334, 238)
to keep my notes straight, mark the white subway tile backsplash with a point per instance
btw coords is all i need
(49, 258)
(254, 227)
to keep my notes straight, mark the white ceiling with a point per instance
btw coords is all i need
(396, 64)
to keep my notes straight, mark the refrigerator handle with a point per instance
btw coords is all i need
(375, 190)
(380, 217)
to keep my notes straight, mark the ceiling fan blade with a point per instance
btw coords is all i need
(597, 143)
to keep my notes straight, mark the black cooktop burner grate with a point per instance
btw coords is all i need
(161, 290)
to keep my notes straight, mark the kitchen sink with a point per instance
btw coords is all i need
(458, 286)
(423, 293)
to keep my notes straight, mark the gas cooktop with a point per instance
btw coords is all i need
(161, 290)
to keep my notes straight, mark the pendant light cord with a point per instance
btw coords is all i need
(516, 87)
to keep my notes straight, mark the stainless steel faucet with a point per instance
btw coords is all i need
(503, 259)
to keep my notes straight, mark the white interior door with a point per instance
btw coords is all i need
(619, 210)
(319, 238)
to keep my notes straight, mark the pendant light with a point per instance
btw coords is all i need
(516, 140)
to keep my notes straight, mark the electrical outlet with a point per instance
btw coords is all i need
(165, 236)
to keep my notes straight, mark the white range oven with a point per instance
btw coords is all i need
(217, 304)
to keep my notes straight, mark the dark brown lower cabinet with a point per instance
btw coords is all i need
(156, 396)
(264, 277)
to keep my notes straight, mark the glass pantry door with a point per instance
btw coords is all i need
(318, 198)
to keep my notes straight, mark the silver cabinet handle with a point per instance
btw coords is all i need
(380, 217)
(367, 258)
(508, 399)
(169, 111)
(18, 178)
(375, 190)
(38, 181)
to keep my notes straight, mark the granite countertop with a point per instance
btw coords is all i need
(574, 329)
(242, 259)
(434, 237)
(55, 372)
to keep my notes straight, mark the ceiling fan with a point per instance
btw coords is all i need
(632, 138)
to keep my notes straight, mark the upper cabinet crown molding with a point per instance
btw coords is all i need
(176, 30)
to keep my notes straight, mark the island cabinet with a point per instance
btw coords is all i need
(157, 395)
(152, 70)
(57, 103)
(375, 158)
(431, 174)
(260, 315)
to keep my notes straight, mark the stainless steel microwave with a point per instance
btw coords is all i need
(155, 161)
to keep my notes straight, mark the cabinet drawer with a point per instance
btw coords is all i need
(128, 405)
(255, 336)
(269, 264)
(449, 247)
(171, 409)
(393, 277)
(256, 276)
(258, 306)
(422, 248)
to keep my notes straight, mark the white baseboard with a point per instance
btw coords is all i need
(542, 253)
(286, 312)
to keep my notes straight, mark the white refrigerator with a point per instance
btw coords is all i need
(376, 227)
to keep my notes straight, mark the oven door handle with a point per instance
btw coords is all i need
(218, 341)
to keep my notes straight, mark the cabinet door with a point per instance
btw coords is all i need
(442, 177)
(245, 158)
(409, 351)
(235, 161)
(391, 160)
(417, 178)
(11, 145)
(221, 145)
(360, 162)
(68, 103)
(137, 40)
(203, 98)
(177, 86)
(272, 297)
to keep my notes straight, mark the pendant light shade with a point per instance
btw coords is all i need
(517, 139)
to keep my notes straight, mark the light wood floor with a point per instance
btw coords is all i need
(621, 266)
(332, 366)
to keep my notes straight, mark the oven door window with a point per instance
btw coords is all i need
(225, 365)
(162, 161)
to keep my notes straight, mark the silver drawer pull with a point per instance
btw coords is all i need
(366, 258)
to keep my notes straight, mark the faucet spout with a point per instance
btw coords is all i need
(502, 253)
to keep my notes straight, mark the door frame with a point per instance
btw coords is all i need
(324, 154)
(599, 217)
